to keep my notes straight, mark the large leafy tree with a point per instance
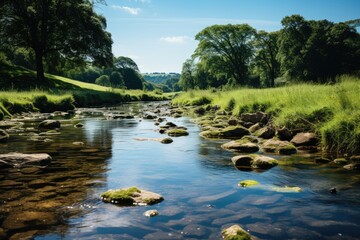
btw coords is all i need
(130, 72)
(265, 58)
(67, 28)
(227, 45)
(318, 50)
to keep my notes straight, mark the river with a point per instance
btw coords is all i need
(195, 176)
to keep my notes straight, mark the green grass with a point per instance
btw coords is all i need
(333, 111)
(20, 92)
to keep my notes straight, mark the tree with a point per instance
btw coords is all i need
(187, 80)
(124, 63)
(293, 37)
(67, 28)
(117, 80)
(130, 72)
(229, 45)
(318, 50)
(103, 80)
(265, 56)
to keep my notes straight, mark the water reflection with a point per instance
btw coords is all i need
(195, 176)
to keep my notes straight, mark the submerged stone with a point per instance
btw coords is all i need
(21, 159)
(177, 132)
(49, 124)
(286, 189)
(151, 213)
(248, 183)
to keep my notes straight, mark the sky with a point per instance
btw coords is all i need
(159, 35)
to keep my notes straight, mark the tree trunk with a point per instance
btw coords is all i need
(40, 77)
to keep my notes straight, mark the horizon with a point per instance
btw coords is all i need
(159, 35)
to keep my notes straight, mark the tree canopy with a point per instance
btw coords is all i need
(303, 50)
(55, 28)
(228, 45)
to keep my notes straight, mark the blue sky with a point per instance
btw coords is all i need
(159, 34)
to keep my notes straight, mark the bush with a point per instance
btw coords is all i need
(103, 80)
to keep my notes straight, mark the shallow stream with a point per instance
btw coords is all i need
(195, 176)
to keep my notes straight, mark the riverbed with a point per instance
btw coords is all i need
(194, 175)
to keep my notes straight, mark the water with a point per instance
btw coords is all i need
(195, 176)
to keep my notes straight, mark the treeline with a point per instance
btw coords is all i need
(303, 50)
(168, 82)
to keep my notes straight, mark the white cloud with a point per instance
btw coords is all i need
(175, 39)
(132, 11)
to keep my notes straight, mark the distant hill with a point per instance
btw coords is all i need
(160, 78)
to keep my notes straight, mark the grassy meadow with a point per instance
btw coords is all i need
(332, 111)
(19, 92)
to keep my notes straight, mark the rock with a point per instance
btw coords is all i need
(20, 159)
(4, 136)
(340, 161)
(29, 235)
(170, 124)
(263, 162)
(234, 132)
(49, 124)
(199, 110)
(286, 189)
(150, 116)
(248, 183)
(151, 213)
(79, 125)
(254, 117)
(166, 140)
(280, 147)
(305, 139)
(266, 132)
(333, 190)
(254, 127)
(352, 166)
(235, 232)
(254, 161)
(131, 196)
(26, 219)
(243, 146)
(177, 132)
(233, 122)
(284, 134)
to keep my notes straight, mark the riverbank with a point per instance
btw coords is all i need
(330, 111)
(19, 92)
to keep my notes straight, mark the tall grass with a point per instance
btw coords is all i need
(333, 111)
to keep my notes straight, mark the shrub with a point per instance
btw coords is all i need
(103, 80)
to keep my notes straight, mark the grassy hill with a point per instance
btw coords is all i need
(19, 91)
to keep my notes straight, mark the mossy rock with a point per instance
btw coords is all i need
(235, 232)
(213, 133)
(254, 161)
(166, 140)
(234, 132)
(131, 196)
(280, 147)
(177, 132)
(242, 145)
(121, 196)
(248, 183)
